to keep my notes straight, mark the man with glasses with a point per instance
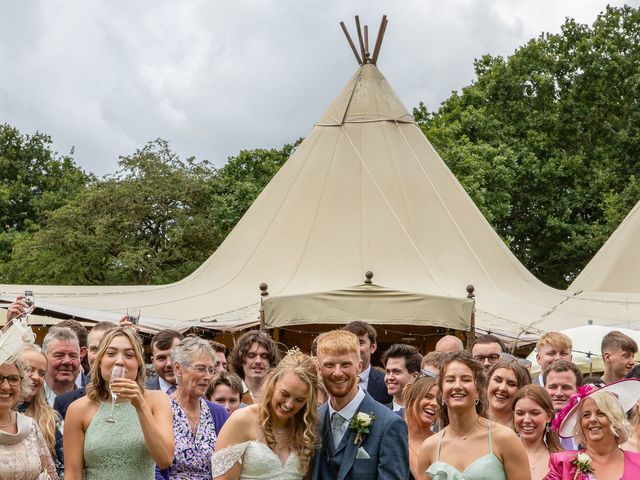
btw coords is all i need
(487, 349)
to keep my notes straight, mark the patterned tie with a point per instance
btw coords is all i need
(171, 389)
(336, 428)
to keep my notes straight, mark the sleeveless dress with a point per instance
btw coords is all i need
(258, 461)
(486, 467)
(116, 450)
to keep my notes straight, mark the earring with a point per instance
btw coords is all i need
(544, 437)
(477, 401)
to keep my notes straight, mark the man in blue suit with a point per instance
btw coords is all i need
(371, 379)
(349, 452)
(161, 345)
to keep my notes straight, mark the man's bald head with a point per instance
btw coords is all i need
(449, 344)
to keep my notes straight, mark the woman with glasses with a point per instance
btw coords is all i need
(24, 454)
(196, 421)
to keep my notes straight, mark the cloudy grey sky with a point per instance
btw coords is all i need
(215, 77)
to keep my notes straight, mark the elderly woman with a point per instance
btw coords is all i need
(196, 421)
(102, 442)
(34, 402)
(24, 454)
(597, 418)
(504, 379)
(421, 413)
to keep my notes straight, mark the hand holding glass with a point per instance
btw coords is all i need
(133, 315)
(29, 300)
(116, 372)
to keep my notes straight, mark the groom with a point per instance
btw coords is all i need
(348, 452)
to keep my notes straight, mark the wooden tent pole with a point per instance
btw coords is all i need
(367, 57)
(353, 47)
(263, 293)
(360, 41)
(376, 49)
(472, 327)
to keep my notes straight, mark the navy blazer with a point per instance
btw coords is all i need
(348, 461)
(152, 383)
(62, 402)
(377, 388)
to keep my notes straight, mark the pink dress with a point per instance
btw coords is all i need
(561, 466)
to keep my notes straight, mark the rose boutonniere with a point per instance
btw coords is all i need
(583, 465)
(360, 423)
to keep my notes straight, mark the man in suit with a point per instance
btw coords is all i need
(371, 379)
(161, 345)
(347, 452)
(401, 367)
(62, 402)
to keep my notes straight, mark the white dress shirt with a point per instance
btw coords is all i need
(349, 410)
(364, 378)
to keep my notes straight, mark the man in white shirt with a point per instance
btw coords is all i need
(401, 367)
(161, 345)
(62, 350)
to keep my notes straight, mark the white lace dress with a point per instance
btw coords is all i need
(258, 461)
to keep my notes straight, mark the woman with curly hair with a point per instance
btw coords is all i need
(275, 438)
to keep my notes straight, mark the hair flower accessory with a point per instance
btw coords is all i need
(583, 465)
(293, 351)
(574, 399)
(360, 423)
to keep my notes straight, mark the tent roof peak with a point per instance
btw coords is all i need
(363, 56)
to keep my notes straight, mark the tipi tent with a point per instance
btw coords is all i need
(616, 266)
(364, 191)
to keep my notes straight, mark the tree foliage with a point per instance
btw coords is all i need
(546, 142)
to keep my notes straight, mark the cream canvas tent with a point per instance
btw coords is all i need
(616, 266)
(364, 191)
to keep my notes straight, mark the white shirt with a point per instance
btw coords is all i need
(50, 394)
(164, 385)
(349, 410)
(396, 407)
(364, 378)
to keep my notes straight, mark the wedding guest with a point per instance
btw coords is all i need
(82, 333)
(550, 347)
(469, 442)
(421, 414)
(371, 379)
(62, 402)
(449, 344)
(34, 403)
(161, 345)
(598, 422)
(23, 450)
(226, 390)
(62, 349)
(532, 415)
(487, 349)
(431, 363)
(561, 379)
(504, 380)
(401, 367)
(221, 356)
(196, 421)
(618, 352)
(352, 424)
(141, 433)
(252, 359)
(276, 437)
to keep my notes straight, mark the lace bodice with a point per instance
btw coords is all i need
(116, 450)
(258, 461)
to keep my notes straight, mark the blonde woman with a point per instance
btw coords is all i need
(140, 434)
(34, 402)
(274, 439)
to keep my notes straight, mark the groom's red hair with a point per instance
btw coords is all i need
(338, 342)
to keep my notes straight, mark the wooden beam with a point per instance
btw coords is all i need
(376, 49)
(366, 43)
(359, 30)
(353, 47)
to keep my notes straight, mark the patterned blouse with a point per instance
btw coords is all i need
(192, 455)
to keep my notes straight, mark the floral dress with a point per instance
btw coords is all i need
(192, 455)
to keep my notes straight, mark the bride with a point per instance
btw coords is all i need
(274, 439)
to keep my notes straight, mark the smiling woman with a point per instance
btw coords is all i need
(504, 380)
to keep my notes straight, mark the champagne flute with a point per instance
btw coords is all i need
(133, 315)
(116, 372)
(29, 300)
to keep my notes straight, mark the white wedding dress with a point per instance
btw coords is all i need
(258, 461)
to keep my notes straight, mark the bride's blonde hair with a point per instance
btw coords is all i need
(303, 441)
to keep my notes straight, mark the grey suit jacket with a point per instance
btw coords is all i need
(152, 383)
(386, 445)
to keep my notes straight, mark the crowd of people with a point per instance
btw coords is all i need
(85, 405)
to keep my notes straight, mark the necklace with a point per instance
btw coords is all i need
(463, 436)
(10, 420)
(532, 465)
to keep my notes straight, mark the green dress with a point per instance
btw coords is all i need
(116, 450)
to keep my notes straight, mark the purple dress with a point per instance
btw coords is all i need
(192, 455)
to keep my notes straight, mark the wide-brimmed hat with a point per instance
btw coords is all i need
(626, 391)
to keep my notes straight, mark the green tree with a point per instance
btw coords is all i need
(149, 223)
(546, 142)
(34, 181)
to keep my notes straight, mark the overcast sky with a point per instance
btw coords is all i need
(216, 77)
